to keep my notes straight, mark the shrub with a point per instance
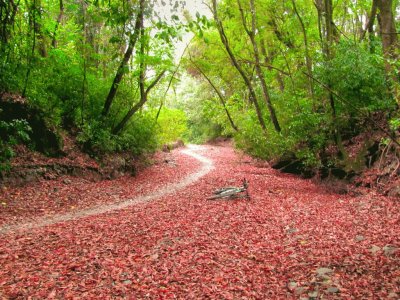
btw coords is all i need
(138, 137)
(11, 133)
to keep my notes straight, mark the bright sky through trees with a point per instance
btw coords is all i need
(192, 7)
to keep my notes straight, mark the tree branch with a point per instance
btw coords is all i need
(155, 81)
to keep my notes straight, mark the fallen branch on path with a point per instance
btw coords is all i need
(232, 192)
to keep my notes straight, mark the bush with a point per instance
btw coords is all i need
(359, 78)
(138, 137)
(11, 133)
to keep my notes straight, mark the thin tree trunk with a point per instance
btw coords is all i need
(59, 20)
(143, 99)
(329, 29)
(220, 96)
(225, 42)
(128, 53)
(268, 64)
(84, 83)
(32, 54)
(330, 36)
(172, 78)
(370, 27)
(281, 35)
(306, 49)
(328, 46)
(159, 110)
(371, 19)
(321, 28)
(260, 75)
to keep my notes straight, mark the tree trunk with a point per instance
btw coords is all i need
(220, 97)
(319, 7)
(59, 20)
(330, 36)
(282, 37)
(371, 20)
(260, 75)
(128, 53)
(143, 99)
(8, 11)
(32, 17)
(388, 28)
(306, 50)
(37, 6)
(370, 27)
(329, 28)
(225, 42)
(268, 64)
(390, 43)
(328, 46)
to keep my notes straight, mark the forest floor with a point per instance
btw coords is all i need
(157, 236)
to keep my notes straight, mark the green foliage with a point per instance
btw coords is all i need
(204, 122)
(96, 138)
(358, 77)
(354, 73)
(11, 133)
(139, 137)
(394, 124)
(71, 79)
(172, 125)
(304, 136)
(56, 86)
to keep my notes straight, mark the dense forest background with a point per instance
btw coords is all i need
(315, 83)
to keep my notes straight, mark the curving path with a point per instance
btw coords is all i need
(207, 166)
(293, 240)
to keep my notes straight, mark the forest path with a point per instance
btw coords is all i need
(291, 240)
(207, 166)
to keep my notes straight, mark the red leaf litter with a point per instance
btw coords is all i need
(292, 240)
(68, 194)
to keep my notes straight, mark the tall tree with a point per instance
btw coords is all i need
(58, 22)
(8, 11)
(390, 42)
(144, 92)
(369, 27)
(251, 32)
(307, 55)
(37, 19)
(246, 79)
(219, 94)
(133, 37)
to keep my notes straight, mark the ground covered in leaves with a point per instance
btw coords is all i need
(69, 193)
(293, 239)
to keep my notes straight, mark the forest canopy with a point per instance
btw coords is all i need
(296, 79)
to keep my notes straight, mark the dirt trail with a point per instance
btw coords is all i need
(207, 166)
